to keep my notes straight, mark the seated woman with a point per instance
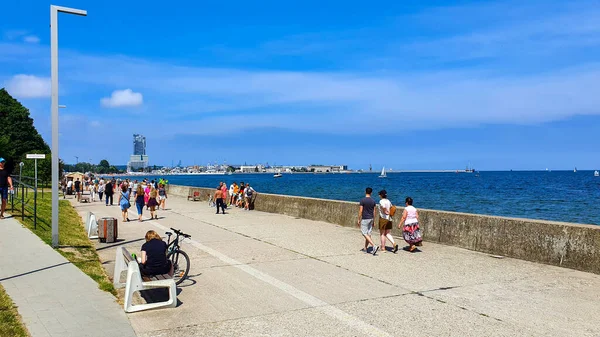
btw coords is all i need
(154, 256)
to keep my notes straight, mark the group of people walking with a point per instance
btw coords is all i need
(409, 222)
(149, 194)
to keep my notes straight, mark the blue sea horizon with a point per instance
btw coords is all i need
(545, 195)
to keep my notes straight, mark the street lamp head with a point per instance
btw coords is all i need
(21, 164)
(69, 10)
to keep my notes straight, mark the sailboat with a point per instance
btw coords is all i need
(596, 174)
(383, 175)
(575, 170)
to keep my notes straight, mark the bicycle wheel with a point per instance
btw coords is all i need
(181, 265)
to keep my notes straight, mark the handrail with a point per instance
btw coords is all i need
(24, 190)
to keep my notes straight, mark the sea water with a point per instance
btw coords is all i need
(555, 195)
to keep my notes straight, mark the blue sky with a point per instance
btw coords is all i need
(405, 84)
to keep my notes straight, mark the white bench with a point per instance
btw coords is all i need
(92, 225)
(124, 261)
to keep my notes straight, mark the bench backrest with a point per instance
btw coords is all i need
(124, 262)
(132, 265)
(126, 255)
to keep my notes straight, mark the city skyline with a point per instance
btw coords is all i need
(408, 85)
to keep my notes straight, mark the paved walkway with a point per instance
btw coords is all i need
(53, 296)
(261, 274)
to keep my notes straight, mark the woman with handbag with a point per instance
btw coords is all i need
(124, 202)
(385, 221)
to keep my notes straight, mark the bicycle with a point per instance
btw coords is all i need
(181, 268)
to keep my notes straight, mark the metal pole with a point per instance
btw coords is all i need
(54, 82)
(35, 198)
(22, 202)
(54, 74)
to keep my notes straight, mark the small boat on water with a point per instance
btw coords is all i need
(596, 174)
(278, 175)
(575, 170)
(383, 175)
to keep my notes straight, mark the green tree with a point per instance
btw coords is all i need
(19, 136)
(103, 166)
(256, 169)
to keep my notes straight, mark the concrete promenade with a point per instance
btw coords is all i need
(53, 296)
(264, 274)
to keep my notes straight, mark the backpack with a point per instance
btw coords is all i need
(392, 210)
(249, 192)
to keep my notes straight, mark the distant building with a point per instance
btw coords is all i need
(251, 168)
(138, 160)
(139, 144)
(327, 169)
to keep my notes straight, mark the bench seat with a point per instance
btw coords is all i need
(135, 282)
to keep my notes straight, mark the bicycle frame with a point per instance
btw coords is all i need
(173, 245)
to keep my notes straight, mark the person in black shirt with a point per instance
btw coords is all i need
(366, 215)
(5, 185)
(109, 191)
(154, 256)
(78, 189)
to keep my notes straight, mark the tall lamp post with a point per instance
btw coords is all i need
(54, 10)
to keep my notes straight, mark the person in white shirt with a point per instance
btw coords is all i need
(249, 194)
(93, 190)
(101, 189)
(70, 187)
(231, 192)
(411, 230)
(385, 221)
(134, 188)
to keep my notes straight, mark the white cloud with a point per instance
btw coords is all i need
(14, 34)
(31, 39)
(28, 86)
(539, 85)
(120, 98)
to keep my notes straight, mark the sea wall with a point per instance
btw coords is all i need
(557, 243)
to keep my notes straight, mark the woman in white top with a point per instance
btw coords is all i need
(385, 221)
(411, 231)
(101, 188)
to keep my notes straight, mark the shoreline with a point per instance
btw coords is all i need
(336, 173)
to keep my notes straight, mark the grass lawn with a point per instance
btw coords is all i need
(73, 241)
(10, 323)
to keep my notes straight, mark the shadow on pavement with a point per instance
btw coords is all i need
(120, 242)
(34, 271)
